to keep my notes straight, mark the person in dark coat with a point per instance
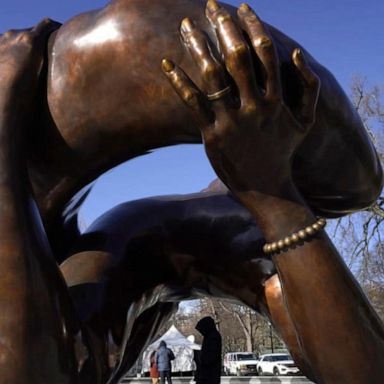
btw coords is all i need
(164, 357)
(209, 366)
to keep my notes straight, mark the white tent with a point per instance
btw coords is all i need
(181, 346)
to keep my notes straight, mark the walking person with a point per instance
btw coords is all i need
(164, 357)
(209, 366)
(153, 371)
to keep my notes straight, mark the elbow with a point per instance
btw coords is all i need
(359, 196)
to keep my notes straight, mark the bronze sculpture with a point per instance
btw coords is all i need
(81, 131)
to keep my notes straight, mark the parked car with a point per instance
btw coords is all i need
(277, 364)
(240, 363)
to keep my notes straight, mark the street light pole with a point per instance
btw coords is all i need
(271, 337)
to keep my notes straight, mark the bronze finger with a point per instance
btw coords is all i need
(235, 50)
(212, 72)
(311, 86)
(265, 50)
(187, 90)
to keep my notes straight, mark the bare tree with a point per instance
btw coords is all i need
(246, 319)
(359, 236)
(242, 329)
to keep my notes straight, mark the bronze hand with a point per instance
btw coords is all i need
(250, 134)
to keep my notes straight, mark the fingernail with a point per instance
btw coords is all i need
(244, 7)
(212, 6)
(187, 25)
(296, 54)
(167, 65)
(302, 55)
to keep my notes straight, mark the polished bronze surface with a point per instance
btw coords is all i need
(37, 322)
(101, 112)
(77, 99)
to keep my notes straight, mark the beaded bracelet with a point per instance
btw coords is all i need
(295, 238)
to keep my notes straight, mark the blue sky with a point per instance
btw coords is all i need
(347, 36)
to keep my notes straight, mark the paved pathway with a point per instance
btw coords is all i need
(230, 380)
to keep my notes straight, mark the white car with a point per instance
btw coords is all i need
(240, 363)
(277, 364)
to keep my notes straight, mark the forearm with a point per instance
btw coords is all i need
(15, 195)
(337, 327)
(33, 297)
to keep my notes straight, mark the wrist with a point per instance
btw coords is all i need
(270, 180)
(279, 211)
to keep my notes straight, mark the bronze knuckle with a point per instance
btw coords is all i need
(223, 17)
(251, 18)
(238, 52)
(263, 42)
(175, 77)
(177, 81)
(26, 37)
(210, 70)
(197, 41)
(249, 108)
(189, 97)
(193, 37)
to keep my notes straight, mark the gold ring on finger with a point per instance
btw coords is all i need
(219, 94)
